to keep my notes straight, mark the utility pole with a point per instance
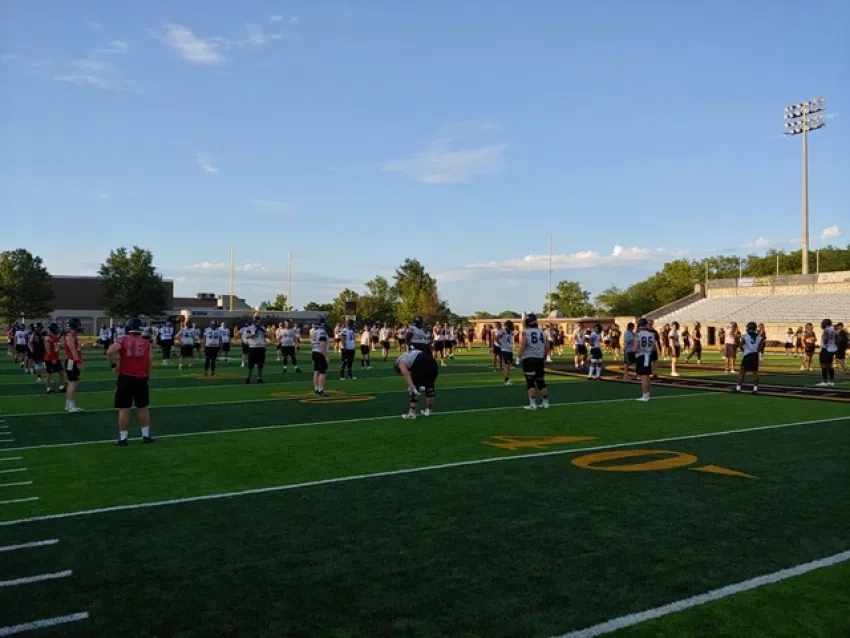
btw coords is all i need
(289, 282)
(799, 120)
(550, 275)
(232, 279)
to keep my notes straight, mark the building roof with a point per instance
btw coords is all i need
(84, 293)
(182, 303)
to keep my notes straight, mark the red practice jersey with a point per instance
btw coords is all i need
(73, 352)
(51, 349)
(135, 358)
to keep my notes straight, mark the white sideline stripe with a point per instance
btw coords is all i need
(308, 424)
(412, 470)
(487, 382)
(16, 484)
(17, 469)
(19, 500)
(622, 622)
(35, 579)
(14, 548)
(11, 458)
(43, 623)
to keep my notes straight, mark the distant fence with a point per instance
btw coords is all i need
(831, 281)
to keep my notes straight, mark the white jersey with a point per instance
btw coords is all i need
(187, 336)
(595, 339)
(408, 358)
(105, 334)
(21, 338)
(386, 333)
(750, 343)
(578, 338)
(349, 338)
(418, 336)
(318, 336)
(789, 339)
(243, 334)
(256, 336)
(119, 332)
(212, 337)
(645, 343)
(674, 338)
(450, 334)
(507, 342)
(629, 341)
(286, 337)
(166, 333)
(730, 336)
(828, 340)
(224, 334)
(365, 338)
(401, 334)
(497, 338)
(535, 344)
(439, 334)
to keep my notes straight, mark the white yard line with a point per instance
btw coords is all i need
(12, 501)
(622, 622)
(14, 548)
(308, 424)
(11, 458)
(19, 483)
(413, 470)
(16, 469)
(27, 580)
(43, 623)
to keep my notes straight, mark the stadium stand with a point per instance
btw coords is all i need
(778, 302)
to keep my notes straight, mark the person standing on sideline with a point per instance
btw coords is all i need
(130, 356)
(287, 338)
(751, 343)
(348, 346)
(212, 345)
(51, 358)
(73, 363)
(533, 349)
(628, 350)
(319, 346)
(256, 339)
(224, 336)
(828, 348)
(646, 343)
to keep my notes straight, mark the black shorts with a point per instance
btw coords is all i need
(677, 352)
(211, 352)
(581, 350)
(439, 345)
(697, 348)
(245, 348)
(287, 351)
(320, 362)
(385, 345)
(841, 354)
(533, 367)
(630, 357)
(225, 347)
(72, 371)
(424, 372)
(131, 392)
(810, 350)
(167, 345)
(750, 362)
(256, 356)
(507, 357)
(187, 350)
(653, 355)
(450, 343)
(21, 349)
(364, 350)
(596, 354)
(729, 351)
(52, 367)
(642, 366)
(826, 358)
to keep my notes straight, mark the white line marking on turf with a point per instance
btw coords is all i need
(17, 469)
(35, 579)
(11, 458)
(412, 470)
(43, 623)
(19, 500)
(14, 548)
(716, 594)
(16, 484)
(289, 426)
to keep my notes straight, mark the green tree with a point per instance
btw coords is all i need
(279, 304)
(25, 285)
(509, 314)
(482, 314)
(318, 307)
(379, 302)
(417, 293)
(131, 285)
(569, 298)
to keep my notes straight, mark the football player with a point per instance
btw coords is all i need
(533, 350)
(420, 372)
(752, 344)
(212, 345)
(646, 343)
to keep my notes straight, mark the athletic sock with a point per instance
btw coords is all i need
(123, 434)
(146, 431)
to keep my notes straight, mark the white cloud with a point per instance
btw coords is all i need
(192, 48)
(830, 232)
(623, 253)
(99, 81)
(116, 47)
(5, 58)
(294, 20)
(205, 162)
(103, 196)
(276, 18)
(439, 163)
(270, 205)
(761, 242)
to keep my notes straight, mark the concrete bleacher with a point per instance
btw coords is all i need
(778, 302)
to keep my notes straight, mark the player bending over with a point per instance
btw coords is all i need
(130, 357)
(752, 344)
(532, 352)
(420, 371)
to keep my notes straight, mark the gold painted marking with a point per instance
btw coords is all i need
(716, 469)
(537, 442)
(338, 399)
(673, 461)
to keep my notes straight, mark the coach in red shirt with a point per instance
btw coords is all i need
(130, 357)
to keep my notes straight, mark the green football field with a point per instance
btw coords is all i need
(264, 511)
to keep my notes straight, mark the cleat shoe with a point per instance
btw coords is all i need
(148, 439)
(260, 381)
(531, 406)
(121, 442)
(248, 381)
(407, 416)
(426, 412)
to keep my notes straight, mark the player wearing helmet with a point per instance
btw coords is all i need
(130, 357)
(752, 344)
(417, 337)
(646, 343)
(51, 357)
(594, 371)
(73, 363)
(533, 348)
(348, 346)
(256, 339)
(212, 346)
(319, 346)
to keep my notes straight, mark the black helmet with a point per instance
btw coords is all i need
(53, 328)
(642, 323)
(418, 322)
(531, 320)
(134, 324)
(320, 322)
(751, 326)
(75, 324)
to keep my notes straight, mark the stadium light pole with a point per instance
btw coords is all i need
(799, 120)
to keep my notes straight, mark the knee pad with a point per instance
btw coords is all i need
(540, 382)
(430, 392)
(413, 397)
(529, 383)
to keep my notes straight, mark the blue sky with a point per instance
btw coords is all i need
(459, 132)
